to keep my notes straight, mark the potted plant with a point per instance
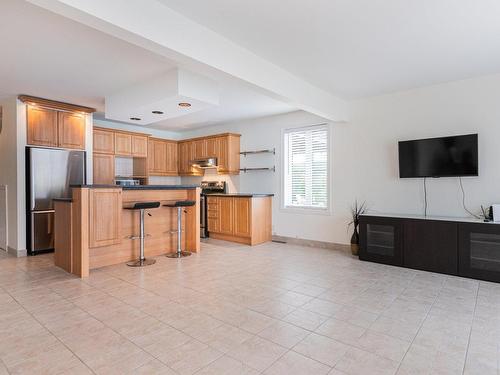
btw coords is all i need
(356, 211)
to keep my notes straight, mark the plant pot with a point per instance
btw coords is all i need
(355, 240)
(354, 249)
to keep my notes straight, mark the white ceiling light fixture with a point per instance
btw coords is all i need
(177, 93)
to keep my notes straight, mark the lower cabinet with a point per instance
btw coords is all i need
(479, 251)
(468, 249)
(240, 219)
(105, 217)
(381, 240)
(431, 246)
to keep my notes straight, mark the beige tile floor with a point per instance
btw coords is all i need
(271, 309)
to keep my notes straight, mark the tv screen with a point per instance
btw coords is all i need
(439, 157)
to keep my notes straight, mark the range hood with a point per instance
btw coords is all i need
(205, 163)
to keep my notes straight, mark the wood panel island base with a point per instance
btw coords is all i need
(94, 228)
(242, 218)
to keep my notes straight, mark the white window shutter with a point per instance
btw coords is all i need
(306, 167)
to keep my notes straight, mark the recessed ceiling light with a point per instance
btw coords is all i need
(135, 118)
(157, 112)
(184, 104)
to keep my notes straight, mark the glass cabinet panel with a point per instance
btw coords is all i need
(380, 239)
(485, 251)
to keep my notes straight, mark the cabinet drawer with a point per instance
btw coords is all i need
(212, 206)
(212, 214)
(212, 200)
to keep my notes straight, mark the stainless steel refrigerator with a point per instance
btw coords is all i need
(49, 174)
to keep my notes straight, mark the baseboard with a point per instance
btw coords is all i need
(312, 243)
(17, 253)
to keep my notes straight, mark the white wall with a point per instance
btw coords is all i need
(365, 163)
(12, 171)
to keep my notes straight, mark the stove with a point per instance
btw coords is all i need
(207, 188)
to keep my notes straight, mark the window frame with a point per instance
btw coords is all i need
(284, 172)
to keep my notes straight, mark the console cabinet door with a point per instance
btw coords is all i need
(431, 245)
(479, 251)
(381, 240)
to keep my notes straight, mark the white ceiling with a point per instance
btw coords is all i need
(47, 55)
(357, 48)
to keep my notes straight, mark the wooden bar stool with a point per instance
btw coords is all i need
(142, 207)
(180, 207)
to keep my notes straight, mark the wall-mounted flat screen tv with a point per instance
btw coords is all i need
(439, 157)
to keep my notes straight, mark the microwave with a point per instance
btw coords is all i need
(127, 182)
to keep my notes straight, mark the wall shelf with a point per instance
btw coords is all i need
(269, 151)
(271, 169)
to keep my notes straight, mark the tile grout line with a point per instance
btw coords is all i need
(151, 316)
(471, 325)
(55, 336)
(421, 324)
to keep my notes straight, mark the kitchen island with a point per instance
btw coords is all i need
(94, 228)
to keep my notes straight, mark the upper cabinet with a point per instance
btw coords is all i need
(71, 130)
(52, 128)
(162, 159)
(186, 155)
(104, 141)
(224, 147)
(123, 144)
(42, 126)
(139, 146)
(55, 124)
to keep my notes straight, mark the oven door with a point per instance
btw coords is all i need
(203, 216)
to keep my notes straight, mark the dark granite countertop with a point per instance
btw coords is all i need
(245, 195)
(140, 187)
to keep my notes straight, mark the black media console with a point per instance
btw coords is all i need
(462, 247)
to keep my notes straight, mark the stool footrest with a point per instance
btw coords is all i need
(137, 237)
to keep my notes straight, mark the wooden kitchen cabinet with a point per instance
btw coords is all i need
(186, 155)
(213, 221)
(53, 128)
(199, 149)
(212, 147)
(229, 154)
(104, 141)
(42, 126)
(103, 169)
(55, 124)
(172, 155)
(226, 215)
(105, 212)
(224, 147)
(242, 216)
(162, 157)
(157, 163)
(71, 130)
(240, 219)
(139, 146)
(123, 144)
